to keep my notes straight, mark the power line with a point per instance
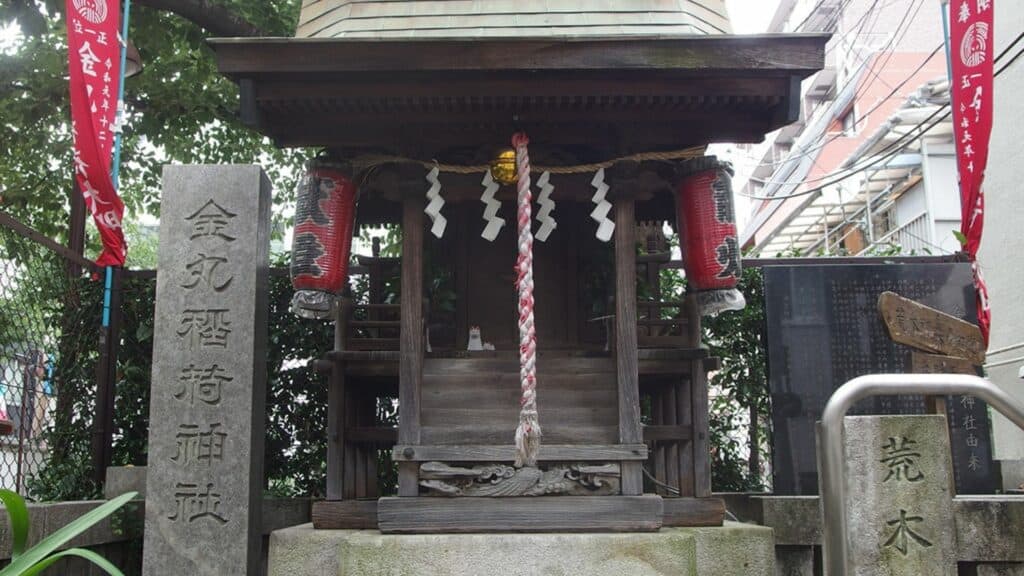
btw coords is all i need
(889, 48)
(858, 169)
(833, 138)
(817, 7)
(807, 151)
(896, 146)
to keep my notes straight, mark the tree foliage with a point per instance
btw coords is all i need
(739, 410)
(741, 400)
(296, 394)
(179, 109)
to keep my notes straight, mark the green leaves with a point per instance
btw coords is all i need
(180, 109)
(42, 555)
(17, 512)
(81, 553)
(741, 403)
(961, 238)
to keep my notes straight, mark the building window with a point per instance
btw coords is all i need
(849, 121)
(883, 223)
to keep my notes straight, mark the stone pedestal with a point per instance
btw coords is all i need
(794, 561)
(731, 550)
(1001, 570)
(121, 479)
(899, 496)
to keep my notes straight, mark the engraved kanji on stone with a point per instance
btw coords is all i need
(903, 534)
(204, 269)
(203, 384)
(197, 446)
(210, 220)
(974, 463)
(192, 503)
(900, 457)
(205, 327)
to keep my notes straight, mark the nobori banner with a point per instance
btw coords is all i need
(972, 51)
(94, 58)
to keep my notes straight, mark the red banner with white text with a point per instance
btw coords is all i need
(94, 58)
(972, 51)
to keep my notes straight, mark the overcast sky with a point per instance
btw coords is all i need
(750, 16)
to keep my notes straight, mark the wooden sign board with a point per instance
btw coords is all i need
(928, 329)
(922, 363)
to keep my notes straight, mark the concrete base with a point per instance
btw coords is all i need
(1013, 475)
(732, 550)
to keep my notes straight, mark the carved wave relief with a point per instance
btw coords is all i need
(440, 479)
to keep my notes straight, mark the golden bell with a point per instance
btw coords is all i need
(503, 167)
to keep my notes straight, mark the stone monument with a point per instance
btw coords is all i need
(827, 315)
(205, 471)
(899, 496)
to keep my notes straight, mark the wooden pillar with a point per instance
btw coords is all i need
(351, 450)
(463, 237)
(336, 410)
(106, 379)
(76, 229)
(626, 361)
(698, 400)
(376, 277)
(572, 301)
(410, 370)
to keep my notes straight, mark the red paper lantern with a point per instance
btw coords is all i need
(325, 214)
(707, 232)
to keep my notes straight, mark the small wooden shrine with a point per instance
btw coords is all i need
(414, 108)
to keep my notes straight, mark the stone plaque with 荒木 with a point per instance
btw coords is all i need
(931, 330)
(205, 469)
(824, 329)
(898, 499)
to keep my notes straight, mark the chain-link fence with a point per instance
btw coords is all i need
(36, 291)
(50, 350)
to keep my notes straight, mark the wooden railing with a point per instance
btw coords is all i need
(665, 323)
(367, 331)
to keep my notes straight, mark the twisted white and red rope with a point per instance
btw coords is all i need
(528, 432)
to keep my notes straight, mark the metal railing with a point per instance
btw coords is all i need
(831, 458)
(913, 237)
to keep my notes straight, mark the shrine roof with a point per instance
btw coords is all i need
(615, 95)
(508, 18)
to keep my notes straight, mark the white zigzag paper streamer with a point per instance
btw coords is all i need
(547, 205)
(433, 208)
(494, 224)
(605, 227)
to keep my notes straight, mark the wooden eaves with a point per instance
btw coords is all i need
(603, 96)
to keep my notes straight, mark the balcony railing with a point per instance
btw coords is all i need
(914, 237)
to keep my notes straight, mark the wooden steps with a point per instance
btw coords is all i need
(476, 401)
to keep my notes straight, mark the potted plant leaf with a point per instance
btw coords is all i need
(41, 556)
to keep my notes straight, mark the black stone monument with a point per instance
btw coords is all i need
(824, 329)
